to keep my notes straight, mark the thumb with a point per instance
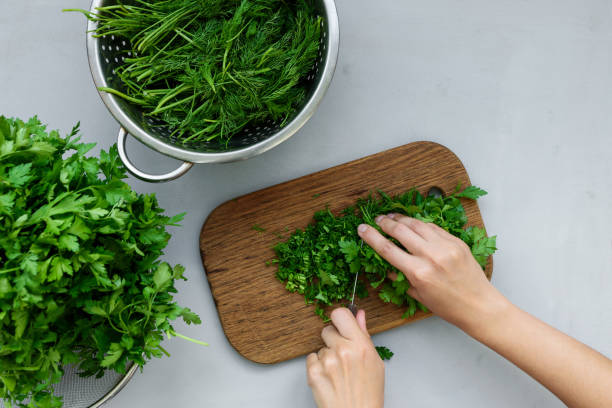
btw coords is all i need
(361, 321)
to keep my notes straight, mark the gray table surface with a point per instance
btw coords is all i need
(520, 90)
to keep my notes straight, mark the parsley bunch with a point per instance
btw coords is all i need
(320, 262)
(210, 68)
(80, 278)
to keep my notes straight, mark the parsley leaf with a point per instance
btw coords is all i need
(258, 228)
(384, 353)
(472, 192)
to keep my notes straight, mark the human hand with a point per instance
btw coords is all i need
(347, 373)
(446, 278)
(444, 275)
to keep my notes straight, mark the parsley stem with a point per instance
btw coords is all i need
(163, 350)
(172, 333)
(115, 327)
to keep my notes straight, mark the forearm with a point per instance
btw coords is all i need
(577, 374)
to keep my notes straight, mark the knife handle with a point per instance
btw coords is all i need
(353, 309)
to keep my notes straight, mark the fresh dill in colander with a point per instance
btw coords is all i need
(210, 68)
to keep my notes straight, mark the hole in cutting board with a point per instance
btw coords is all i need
(435, 192)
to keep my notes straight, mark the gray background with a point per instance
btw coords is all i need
(520, 90)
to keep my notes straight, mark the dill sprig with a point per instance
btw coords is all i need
(210, 68)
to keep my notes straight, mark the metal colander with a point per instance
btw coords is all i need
(108, 52)
(89, 392)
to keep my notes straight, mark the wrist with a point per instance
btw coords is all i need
(489, 312)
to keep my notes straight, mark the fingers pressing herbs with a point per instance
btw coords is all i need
(320, 261)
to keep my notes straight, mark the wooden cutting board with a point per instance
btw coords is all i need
(263, 321)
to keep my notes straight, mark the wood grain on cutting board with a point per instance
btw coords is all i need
(261, 319)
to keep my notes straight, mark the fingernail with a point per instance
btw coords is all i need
(392, 215)
(379, 219)
(362, 228)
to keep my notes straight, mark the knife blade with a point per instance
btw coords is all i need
(352, 306)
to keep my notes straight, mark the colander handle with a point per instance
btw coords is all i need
(152, 178)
